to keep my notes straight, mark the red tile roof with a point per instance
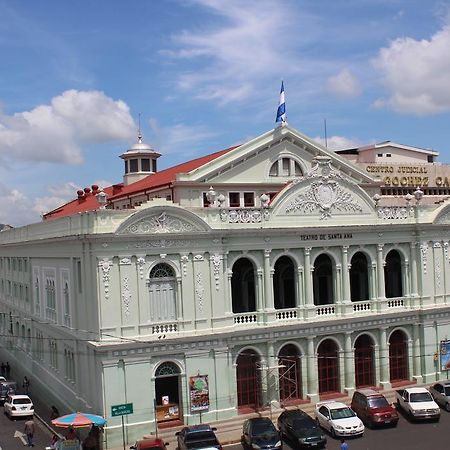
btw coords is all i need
(167, 176)
(164, 177)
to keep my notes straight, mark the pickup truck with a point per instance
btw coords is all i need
(418, 403)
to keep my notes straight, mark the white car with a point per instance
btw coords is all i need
(338, 419)
(18, 406)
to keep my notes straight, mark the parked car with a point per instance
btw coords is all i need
(373, 408)
(418, 403)
(338, 419)
(147, 444)
(300, 429)
(197, 437)
(441, 394)
(260, 433)
(18, 406)
(7, 388)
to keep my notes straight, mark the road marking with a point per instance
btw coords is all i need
(21, 436)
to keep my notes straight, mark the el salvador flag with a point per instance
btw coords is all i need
(281, 112)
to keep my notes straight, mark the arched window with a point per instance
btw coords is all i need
(289, 373)
(398, 356)
(393, 275)
(248, 379)
(328, 367)
(323, 280)
(162, 293)
(243, 290)
(284, 284)
(364, 361)
(285, 167)
(359, 278)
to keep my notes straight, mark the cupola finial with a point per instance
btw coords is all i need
(139, 132)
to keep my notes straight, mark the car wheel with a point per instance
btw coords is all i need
(447, 407)
(333, 433)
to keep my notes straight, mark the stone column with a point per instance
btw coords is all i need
(260, 291)
(311, 371)
(309, 299)
(349, 364)
(268, 282)
(384, 359)
(179, 304)
(417, 366)
(406, 285)
(300, 287)
(413, 257)
(373, 281)
(272, 374)
(226, 285)
(380, 272)
(345, 275)
(229, 297)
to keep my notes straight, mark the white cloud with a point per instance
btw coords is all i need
(416, 74)
(180, 138)
(344, 84)
(339, 142)
(56, 132)
(250, 44)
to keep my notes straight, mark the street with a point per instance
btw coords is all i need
(9, 427)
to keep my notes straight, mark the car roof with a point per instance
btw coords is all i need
(259, 419)
(370, 393)
(14, 397)
(150, 443)
(332, 405)
(444, 383)
(417, 390)
(198, 428)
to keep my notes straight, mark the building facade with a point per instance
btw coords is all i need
(265, 274)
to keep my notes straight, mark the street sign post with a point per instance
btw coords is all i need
(122, 410)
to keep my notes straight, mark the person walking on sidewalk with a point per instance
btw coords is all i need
(26, 384)
(29, 431)
(344, 445)
(7, 370)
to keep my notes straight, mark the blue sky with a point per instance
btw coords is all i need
(205, 75)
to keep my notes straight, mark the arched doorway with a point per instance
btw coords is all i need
(289, 374)
(243, 283)
(393, 275)
(398, 356)
(359, 278)
(248, 379)
(328, 367)
(168, 392)
(323, 280)
(364, 362)
(284, 283)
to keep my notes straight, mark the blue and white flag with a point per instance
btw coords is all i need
(281, 112)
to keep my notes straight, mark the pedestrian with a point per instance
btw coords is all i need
(54, 413)
(3, 369)
(29, 431)
(55, 442)
(7, 370)
(344, 445)
(26, 384)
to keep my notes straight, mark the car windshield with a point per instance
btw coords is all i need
(342, 413)
(379, 402)
(21, 401)
(200, 436)
(447, 391)
(420, 397)
(303, 423)
(261, 428)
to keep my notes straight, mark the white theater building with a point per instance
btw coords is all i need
(278, 269)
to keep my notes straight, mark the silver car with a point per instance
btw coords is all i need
(441, 394)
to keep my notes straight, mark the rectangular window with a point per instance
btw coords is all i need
(430, 158)
(126, 166)
(234, 199)
(154, 165)
(133, 165)
(78, 276)
(380, 155)
(145, 165)
(205, 200)
(249, 199)
(285, 167)
(388, 155)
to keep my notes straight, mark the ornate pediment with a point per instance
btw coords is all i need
(324, 192)
(162, 221)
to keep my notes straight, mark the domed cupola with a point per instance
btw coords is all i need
(140, 161)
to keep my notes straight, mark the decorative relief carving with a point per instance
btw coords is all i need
(216, 260)
(444, 217)
(105, 265)
(394, 212)
(437, 270)
(126, 295)
(324, 192)
(244, 215)
(424, 253)
(199, 291)
(199, 258)
(141, 264)
(125, 261)
(161, 223)
(184, 260)
(445, 245)
(161, 243)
